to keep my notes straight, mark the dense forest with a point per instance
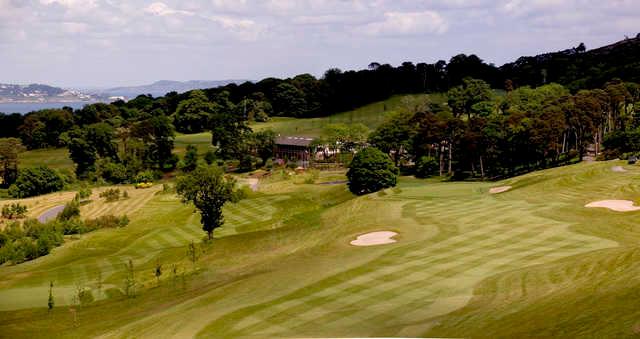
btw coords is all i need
(535, 112)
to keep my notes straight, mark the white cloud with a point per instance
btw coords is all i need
(162, 9)
(407, 23)
(74, 27)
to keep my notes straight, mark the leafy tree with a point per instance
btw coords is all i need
(35, 181)
(394, 136)
(470, 97)
(190, 161)
(9, 150)
(192, 252)
(71, 210)
(426, 166)
(50, 302)
(192, 115)
(370, 171)
(264, 143)
(158, 271)
(208, 189)
(157, 135)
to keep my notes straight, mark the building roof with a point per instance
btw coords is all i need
(293, 141)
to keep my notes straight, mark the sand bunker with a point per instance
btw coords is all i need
(615, 205)
(374, 238)
(618, 169)
(500, 189)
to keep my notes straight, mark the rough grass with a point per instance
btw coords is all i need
(530, 262)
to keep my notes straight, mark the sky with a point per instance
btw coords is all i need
(102, 43)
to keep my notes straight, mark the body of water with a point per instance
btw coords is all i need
(13, 107)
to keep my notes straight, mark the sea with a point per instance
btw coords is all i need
(23, 108)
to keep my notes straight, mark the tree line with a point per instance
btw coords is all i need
(482, 133)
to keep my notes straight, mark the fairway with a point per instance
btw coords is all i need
(466, 263)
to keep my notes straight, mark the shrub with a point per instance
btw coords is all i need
(426, 167)
(144, 176)
(14, 211)
(210, 157)
(84, 193)
(246, 163)
(111, 194)
(71, 210)
(36, 181)
(370, 171)
(112, 172)
(106, 221)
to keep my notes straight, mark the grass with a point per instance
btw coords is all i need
(51, 157)
(371, 115)
(530, 262)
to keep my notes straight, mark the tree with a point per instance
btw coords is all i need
(192, 115)
(371, 170)
(35, 181)
(130, 280)
(394, 136)
(158, 271)
(265, 142)
(465, 99)
(50, 302)
(9, 150)
(190, 161)
(208, 189)
(192, 252)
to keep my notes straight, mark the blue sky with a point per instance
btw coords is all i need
(112, 42)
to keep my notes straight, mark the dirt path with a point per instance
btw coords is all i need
(50, 214)
(253, 183)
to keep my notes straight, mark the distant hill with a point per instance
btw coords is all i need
(163, 87)
(36, 93)
(578, 67)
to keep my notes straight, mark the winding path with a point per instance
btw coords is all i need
(50, 214)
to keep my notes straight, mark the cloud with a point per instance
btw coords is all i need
(74, 27)
(162, 9)
(407, 23)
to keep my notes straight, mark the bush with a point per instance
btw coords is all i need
(426, 167)
(36, 181)
(246, 163)
(210, 157)
(71, 210)
(144, 176)
(106, 221)
(14, 211)
(111, 194)
(112, 172)
(85, 192)
(370, 171)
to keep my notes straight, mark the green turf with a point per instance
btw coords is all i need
(371, 115)
(52, 157)
(530, 262)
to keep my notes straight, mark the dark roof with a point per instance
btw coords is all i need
(293, 141)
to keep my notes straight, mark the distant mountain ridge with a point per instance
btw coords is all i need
(163, 87)
(35, 93)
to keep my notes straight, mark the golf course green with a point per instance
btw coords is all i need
(530, 261)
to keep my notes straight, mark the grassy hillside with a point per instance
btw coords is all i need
(532, 261)
(371, 115)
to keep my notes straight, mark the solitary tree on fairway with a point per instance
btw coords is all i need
(370, 171)
(208, 189)
(50, 303)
